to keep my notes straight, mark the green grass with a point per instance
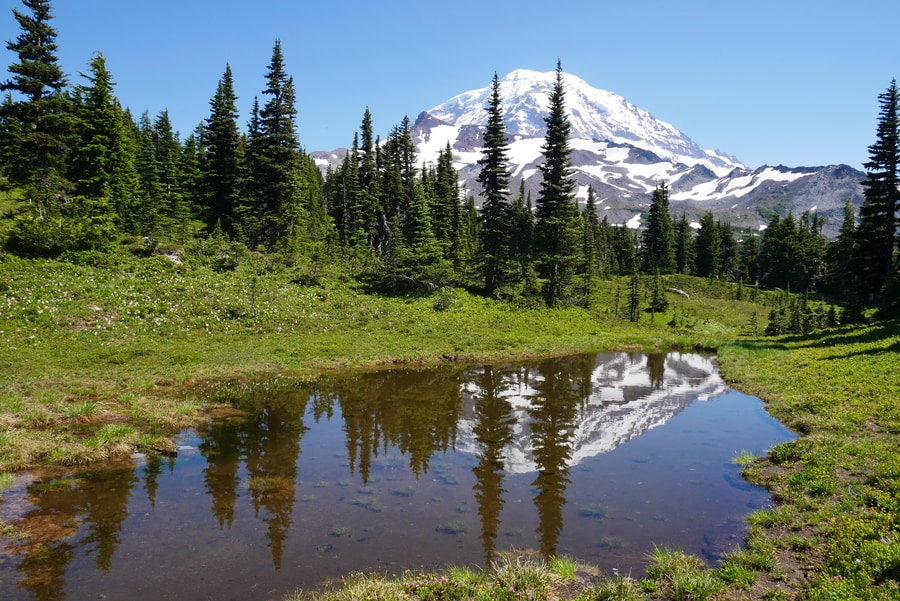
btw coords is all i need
(837, 485)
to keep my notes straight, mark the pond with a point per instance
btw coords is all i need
(597, 456)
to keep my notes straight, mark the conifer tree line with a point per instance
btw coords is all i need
(91, 175)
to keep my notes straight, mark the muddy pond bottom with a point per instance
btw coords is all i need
(599, 457)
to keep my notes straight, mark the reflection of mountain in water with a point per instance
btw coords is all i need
(627, 395)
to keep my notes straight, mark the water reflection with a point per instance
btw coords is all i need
(378, 471)
(493, 430)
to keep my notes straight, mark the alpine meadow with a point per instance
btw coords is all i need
(143, 272)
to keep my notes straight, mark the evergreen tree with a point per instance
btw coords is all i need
(709, 247)
(625, 247)
(38, 124)
(776, 251)
(556, 246)
(103, 160)
(658, 237)
(275, 167)
(445, 207)
(749, 253)
(167, 147)
(876, 234)
(523, 231)
(591, 235)
(343, 192)
(191, 173)
(840, 256)
(685, 253)
(730, 260)
(368, 178)
(658, 301)
(397, 181)
(634, 298)
(607, 262)
(811, 249)
(496, 251)
(222, 164)
(148, 218)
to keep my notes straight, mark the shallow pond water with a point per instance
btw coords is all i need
(595, 456)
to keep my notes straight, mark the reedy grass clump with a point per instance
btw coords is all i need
(673, 574)
(743, 458)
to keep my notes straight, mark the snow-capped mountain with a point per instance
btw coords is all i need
(624, 153)
(623, 403)
(599, 119)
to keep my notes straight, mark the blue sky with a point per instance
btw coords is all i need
(791, 82)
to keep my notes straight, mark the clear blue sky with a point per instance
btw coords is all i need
(770, 81)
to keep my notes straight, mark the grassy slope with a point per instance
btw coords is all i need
(98, 359)
(836, 529)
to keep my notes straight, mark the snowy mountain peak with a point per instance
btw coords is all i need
(596, 116)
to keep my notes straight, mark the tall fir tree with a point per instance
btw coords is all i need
(149, 215)
(445, 206)
(398, 178)
(176, 207)
(103, 160)
(38, 123)
(591, 236)
(709, 247)
(368, 177)
(556, 239)
(840, 256)
(274, 161)
(496, 213)
(523, 231)
(222, 164)
(685, 255)
(877, 230)
(749, 251)
(729, 254)
(658, 237)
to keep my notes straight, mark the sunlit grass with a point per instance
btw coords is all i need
(679, 576)
(743, 458)
(836, 486)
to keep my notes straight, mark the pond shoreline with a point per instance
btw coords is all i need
(613, 398)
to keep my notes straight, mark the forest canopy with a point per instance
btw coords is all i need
(84, 174)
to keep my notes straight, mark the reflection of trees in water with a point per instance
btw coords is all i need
(493, 431)
(222, 446)
(272, 441)
(554, 409)
(153, 469)
(96, 501)
(268, 441)
(415, 410)
(656, 368)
